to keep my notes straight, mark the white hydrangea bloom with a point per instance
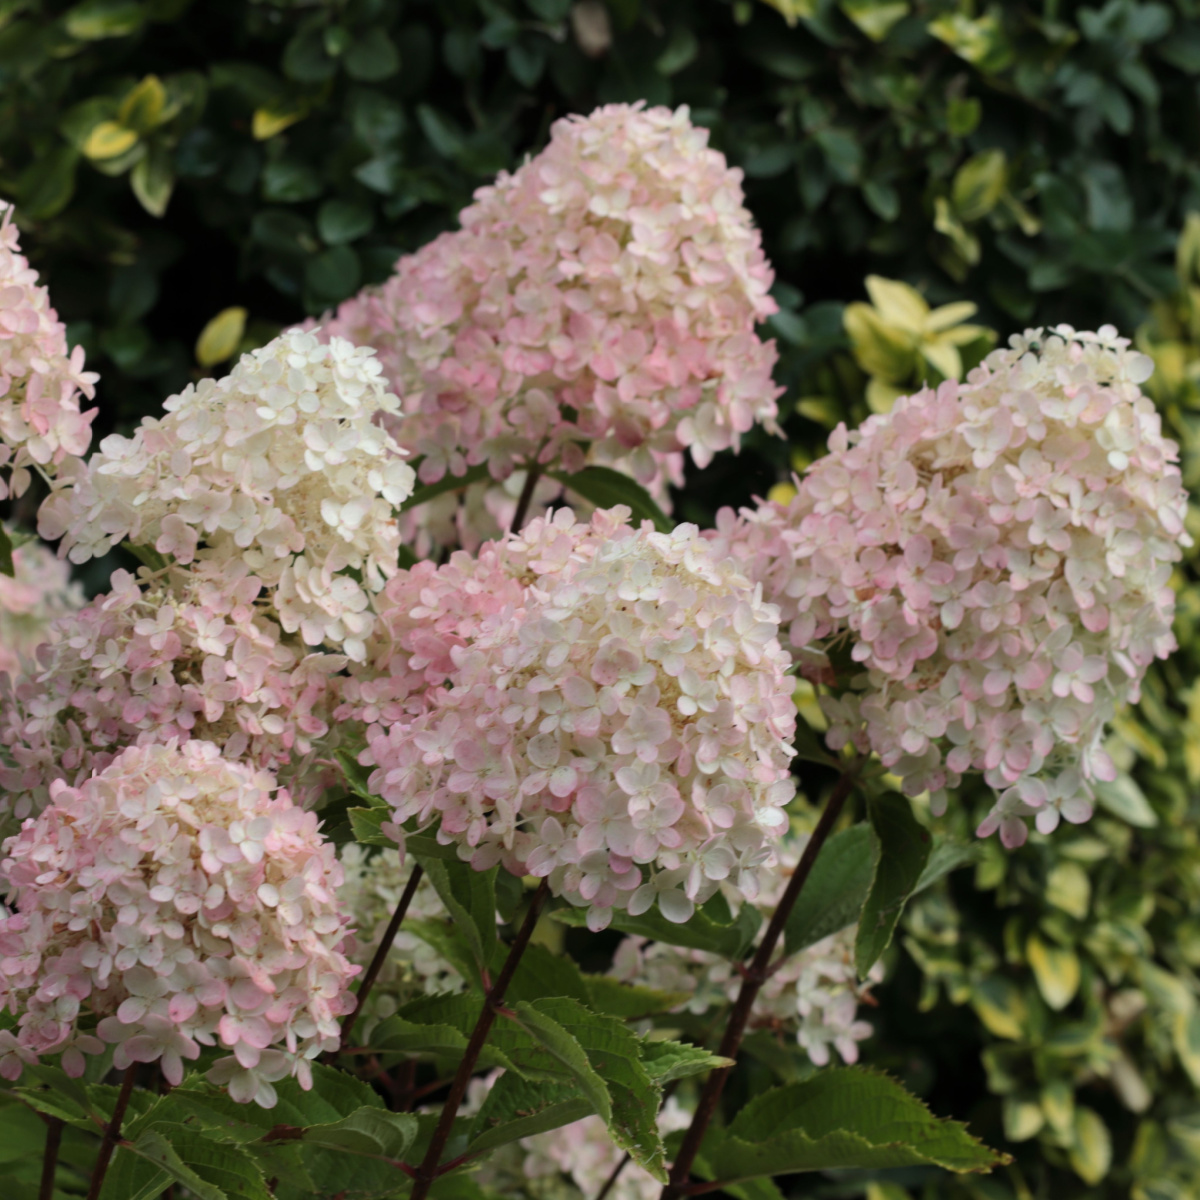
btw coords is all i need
(284, 464)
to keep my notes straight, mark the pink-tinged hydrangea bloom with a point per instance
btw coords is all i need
(372, 889)
(193, 653)
(600, 705)
(283, 466)
(813, 994)
(606, 293)
(41, 381)
(172, 901)
(39, 591)
(999, 553)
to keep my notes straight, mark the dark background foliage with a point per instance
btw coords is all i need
(1037, 159)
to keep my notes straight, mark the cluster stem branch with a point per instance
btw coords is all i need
(753, 978)
(112, 1133)
(428, 1171)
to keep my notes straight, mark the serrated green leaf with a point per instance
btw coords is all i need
(947, 855)
(834, 894)
(368, 1132)
(629, 1001)
(616, 1056)
(542, 973)
(516, 1108)
(470, 899)
(398, 1035)
(605, 488)
(900, 851)
(841, 1118)
(6, 553)
(545, 1030)
(367, 823)
(167, 1146)
(666, 1061)
(447, 483)
(132, 1177)
(699, 932)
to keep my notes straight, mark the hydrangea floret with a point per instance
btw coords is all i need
(172, 901)
(999, 555)
(39, 591)
(812, 994)
(41, 380)
(604, 293)
(187, 653)
(284, 466)
(600, 705)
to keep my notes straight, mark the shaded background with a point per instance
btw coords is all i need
(172, 159)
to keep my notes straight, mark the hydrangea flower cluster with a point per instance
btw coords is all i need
(573, 1162)
(178, 901)
(186, 654)
(813, 993)
(283, 466)
(999, 553)
(596, 704)
(374, 883)
(39, 591)
(606, 292)
(41, 381)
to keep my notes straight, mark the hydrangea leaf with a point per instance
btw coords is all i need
(946, 855)
(516, 1108)
(545, 1030)
(208, 1171)
(606, 488)
(396, 1035)
(470, 899)
(900, 850)
(616, 1054)
(834, 894)
(667, 1061)
(368, 1132)
(447, 483)
(841, 1118)
(6, 553)
(730, 938)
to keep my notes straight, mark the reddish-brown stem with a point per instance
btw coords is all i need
(389, 936)
(54, 1129)
(428, 1171)
(613, 1176)
(112, 1133)
(753, 978)
(532, 475)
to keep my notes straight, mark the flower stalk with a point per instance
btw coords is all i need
(753, 978)
(428, 1171)
(112, 1133)
(385, 946)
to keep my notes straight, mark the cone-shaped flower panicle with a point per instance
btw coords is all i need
(41, 381)
(175, 900)
(191, 652)
(283, 466)
(39, 591)
(602, 705)
(998, 554)
(606, 292)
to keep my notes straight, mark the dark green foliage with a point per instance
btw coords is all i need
(171, 160)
